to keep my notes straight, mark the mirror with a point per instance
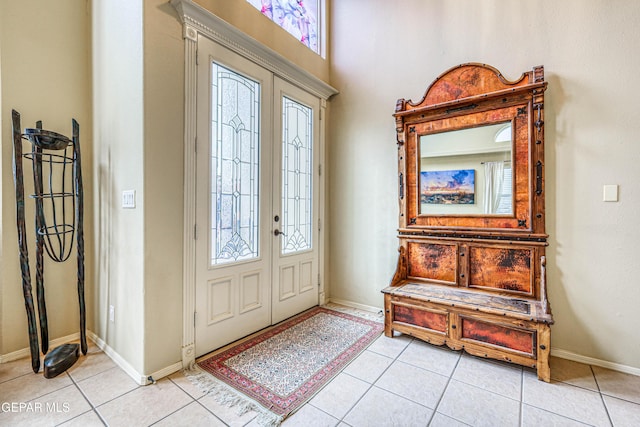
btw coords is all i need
(467, 171)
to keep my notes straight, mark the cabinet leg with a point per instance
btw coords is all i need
(544, 347)
(388, 331)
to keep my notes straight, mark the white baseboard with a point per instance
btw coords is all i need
(26, 352)
(130, 370)
(164, 372)
(564, 354)
(117, 359)
(356, 305)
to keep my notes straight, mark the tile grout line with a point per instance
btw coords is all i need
(387, 391)
(196, 401)
(93, 408)
(211, 412)
(180, 408)
(341, 420)
(603, 393)
(606, 409)
(323, 411)
(73, 383)
(450, 377)
(547, 410)
(405, 397)
(467, 383)
(171, 413)
(373, 383)
(107, 401)
(193, 399)
(558, 415)
(477, 387)
(16, 377)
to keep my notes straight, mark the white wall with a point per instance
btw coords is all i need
(2, 203)
(45, 74)
(118, 105)
(163, 174)
(387, 52)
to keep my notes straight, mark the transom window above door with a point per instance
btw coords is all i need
(300, 18)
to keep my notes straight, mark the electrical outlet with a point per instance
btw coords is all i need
(129, 199)
(112, 313)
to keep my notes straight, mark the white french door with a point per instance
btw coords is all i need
(295, 201)
(256, 198)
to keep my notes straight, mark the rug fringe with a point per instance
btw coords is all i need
(231, 398)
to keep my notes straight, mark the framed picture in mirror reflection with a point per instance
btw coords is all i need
(448, 187)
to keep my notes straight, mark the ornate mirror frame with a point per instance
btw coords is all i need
(466, 96)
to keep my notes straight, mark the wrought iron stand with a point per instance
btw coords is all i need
(58, 195)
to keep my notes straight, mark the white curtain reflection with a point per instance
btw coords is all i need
(493, 178)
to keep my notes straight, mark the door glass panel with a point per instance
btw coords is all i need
(235, 155)
(297, 174)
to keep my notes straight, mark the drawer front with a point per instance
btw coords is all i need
(420, 317)
(503, 269)
(499, 335)
(433, 261)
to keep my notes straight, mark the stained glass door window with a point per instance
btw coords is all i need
(235, 154)
(297, 176)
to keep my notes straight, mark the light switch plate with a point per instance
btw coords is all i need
(610, 193)
(129, 199)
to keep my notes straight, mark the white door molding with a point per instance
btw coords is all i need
(197, 20)
(189, 199)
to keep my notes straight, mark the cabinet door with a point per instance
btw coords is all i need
(433, 261)
(504, 269)
(500, 336)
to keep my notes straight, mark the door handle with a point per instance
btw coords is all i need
(277, 232)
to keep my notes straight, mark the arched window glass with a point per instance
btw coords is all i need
(298, 17)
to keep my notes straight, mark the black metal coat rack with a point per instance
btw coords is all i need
(58, 195)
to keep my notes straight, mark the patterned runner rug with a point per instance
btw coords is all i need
(277, 371)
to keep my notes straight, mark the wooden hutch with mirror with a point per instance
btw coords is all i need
(471, 269)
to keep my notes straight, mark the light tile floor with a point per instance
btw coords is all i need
(395, 382)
